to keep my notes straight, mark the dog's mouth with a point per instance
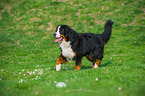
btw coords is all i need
(59, 39)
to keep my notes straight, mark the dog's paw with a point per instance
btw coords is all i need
(58, 67)
(95, 66)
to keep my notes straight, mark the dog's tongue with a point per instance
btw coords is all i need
(58, 40)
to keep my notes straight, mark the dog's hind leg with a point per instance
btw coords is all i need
(91, 59)
(60, 60)
(97, 63)
(94, 62)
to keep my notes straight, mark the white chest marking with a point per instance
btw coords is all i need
(66, 49)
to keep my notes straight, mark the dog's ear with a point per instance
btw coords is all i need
(62, 30)
(71, 35)
(67, 32)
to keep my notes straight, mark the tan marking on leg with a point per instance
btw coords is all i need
(78, 67)
(97, 63)
(91, 59)
(60, 60)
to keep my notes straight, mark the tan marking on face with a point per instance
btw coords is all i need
(63, 37)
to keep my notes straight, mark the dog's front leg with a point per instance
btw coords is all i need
(60, 60)
(78, 62)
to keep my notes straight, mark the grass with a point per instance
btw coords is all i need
(28, 52)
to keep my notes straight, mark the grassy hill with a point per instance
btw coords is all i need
(28, 51)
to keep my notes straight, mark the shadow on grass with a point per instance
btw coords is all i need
(85, 67)
(101, 65)
(106, 64)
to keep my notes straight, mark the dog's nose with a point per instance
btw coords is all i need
(54, 34)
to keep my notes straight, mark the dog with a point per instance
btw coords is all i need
(74, 46)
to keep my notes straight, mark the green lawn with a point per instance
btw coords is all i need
(28, 51)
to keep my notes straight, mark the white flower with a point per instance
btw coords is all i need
(35, 78)
(47, 68)
(37, 66)
(96, 79)
(33, 72)
(41, 71)
(2, 70)
(21, 80)
(0, 78)
(55, 81)
(61, 84)
(23, 70)
(119, 88)
(30, 73)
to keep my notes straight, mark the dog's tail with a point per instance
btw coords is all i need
(107, 30)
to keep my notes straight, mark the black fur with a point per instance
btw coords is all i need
(87, 44)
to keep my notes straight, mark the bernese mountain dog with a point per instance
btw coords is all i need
(74, 46)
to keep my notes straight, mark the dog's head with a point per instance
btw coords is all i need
(63, 32)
